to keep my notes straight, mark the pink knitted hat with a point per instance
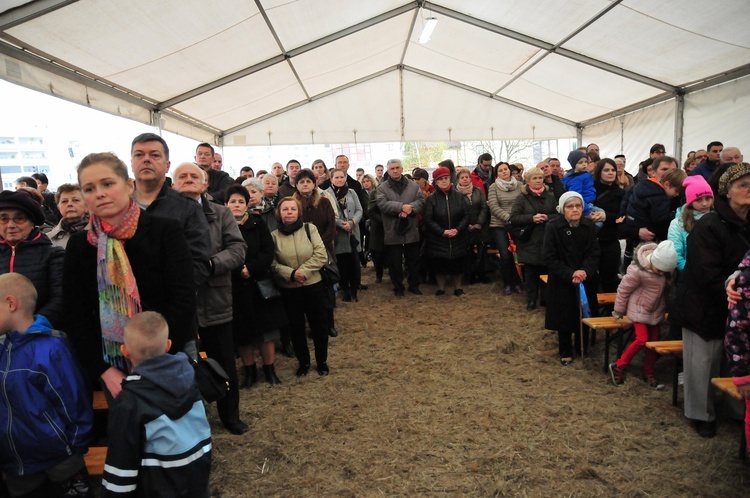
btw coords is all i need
(696, 187)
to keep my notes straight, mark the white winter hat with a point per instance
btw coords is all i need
(664, 257)
(566, 198)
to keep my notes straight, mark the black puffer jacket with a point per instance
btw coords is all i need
(609, 198)
(715, 248)
(444, 212)
(526, 206)
(37, 259)
(650, 207)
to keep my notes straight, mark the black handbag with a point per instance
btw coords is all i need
(212, 380)
(329, 273)
(267, 289)
(522, 233)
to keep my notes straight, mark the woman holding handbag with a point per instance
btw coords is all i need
(347, 235)
(257, 315)
(296, 265)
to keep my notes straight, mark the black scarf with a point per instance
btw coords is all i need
(291, 228)
(340, 191)
(75, 226)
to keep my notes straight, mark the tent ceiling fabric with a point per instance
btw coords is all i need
(251, 73)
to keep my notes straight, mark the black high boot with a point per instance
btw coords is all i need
(270, 373)
(251, 376)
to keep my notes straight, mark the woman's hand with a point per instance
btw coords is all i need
(245, 272)
(112, 378)
(299, 276)
(450, 233)
(540, 218)
(733, 297)
(346, 226)
(579, 276)
(646, 235)
(598, 216)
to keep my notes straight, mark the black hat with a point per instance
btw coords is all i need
(23, 202)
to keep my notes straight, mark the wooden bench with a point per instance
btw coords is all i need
(606, 297)
(613, 329)
(95, 460)
(100, 401)
(726, 385)
(670, 348)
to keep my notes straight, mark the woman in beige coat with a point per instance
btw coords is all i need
(501, 196)
(299, 256)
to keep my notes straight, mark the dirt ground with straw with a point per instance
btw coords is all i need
(466, 397)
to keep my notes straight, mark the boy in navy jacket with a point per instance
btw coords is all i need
(159, 437)
(45, 410)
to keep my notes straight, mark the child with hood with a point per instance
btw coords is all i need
(642, 297)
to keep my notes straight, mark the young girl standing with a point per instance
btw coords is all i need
(699, 201)
(641, 296)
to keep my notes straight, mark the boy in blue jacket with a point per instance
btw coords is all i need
(578, 179)
(159, 437)
(45, 410)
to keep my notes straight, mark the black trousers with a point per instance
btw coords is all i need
(531, 276)
(351, 273)
(218, 343)
(395, 255)
(609, 264)
(307, 302)
(377, 261)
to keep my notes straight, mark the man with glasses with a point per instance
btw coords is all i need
(711, 163)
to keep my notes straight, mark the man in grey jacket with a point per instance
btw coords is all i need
(214, 302)
(400, 201)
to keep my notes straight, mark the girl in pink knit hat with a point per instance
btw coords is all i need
(699, 201)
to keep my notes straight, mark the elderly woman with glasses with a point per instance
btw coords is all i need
(26, 250)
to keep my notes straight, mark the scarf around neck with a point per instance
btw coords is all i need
(340, 191)
(291, 228)
(511, 184)
(119, 298)
(74, 226)
(467, 191)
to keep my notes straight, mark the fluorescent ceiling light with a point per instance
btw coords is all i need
(429, 27)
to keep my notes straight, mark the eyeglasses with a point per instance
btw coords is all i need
(18, 219)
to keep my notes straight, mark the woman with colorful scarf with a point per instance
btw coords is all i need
(127, 262)
(75, 214)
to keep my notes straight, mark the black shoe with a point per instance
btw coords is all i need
(333, 332)
(287, 349)
(531, 305)
(398, 292)
(440, 292)
(354, 297)
(323, 369)
(566, 361)
(362, 287)
(251, 377)
(705, 429)
(379, 280)
(458, 292)
(415, 290)
(346, 297)
(303, 370)
(270, 372)
(238, 427)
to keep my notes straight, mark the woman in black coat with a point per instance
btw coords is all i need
(158, 254)
(571, 254)
(26, 250)
(715, 247)
(533, 208)
(255, 322)
(446, 221)
(609, 197)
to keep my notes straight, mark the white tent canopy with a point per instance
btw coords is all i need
(625, 73)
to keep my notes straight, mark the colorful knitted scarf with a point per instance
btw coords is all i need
(118, 291)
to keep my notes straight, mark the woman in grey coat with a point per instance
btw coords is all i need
(347, 235)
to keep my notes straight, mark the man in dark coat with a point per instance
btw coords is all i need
(218, 181)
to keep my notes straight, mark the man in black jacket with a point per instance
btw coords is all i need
(149, 160)
(218, 181)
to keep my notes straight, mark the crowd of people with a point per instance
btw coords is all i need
(142, 273)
